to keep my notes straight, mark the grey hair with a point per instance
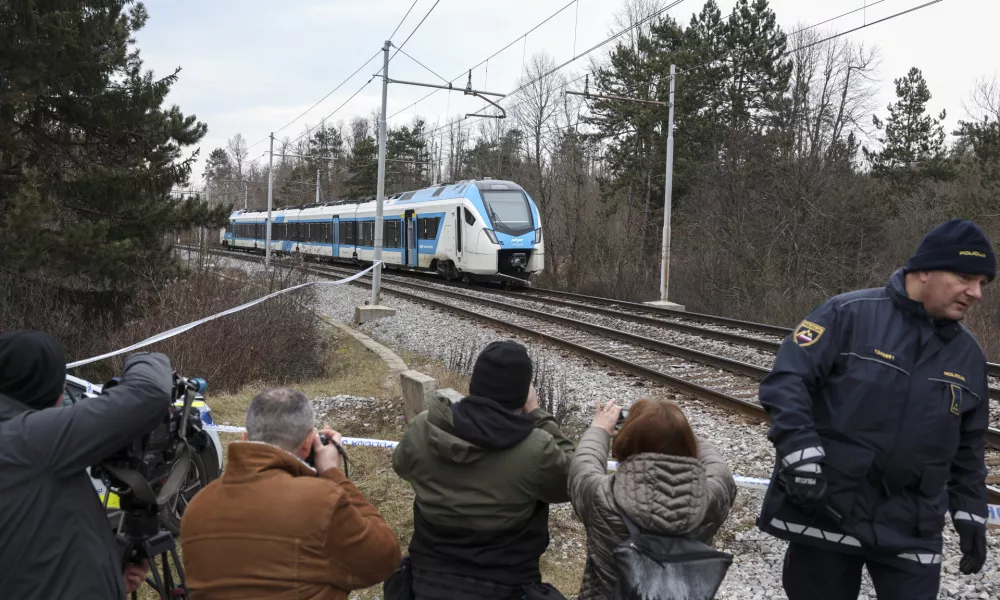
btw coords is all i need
(282, 417)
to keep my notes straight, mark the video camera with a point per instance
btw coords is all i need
(147, 475)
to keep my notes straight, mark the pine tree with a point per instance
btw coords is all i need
(362, 167)
(408, 151)
(88, 153)
(913, 144)
(218, 166)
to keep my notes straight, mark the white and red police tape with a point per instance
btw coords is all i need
(182, 328)
(755, 483)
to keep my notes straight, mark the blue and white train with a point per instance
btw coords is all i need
(485, 230)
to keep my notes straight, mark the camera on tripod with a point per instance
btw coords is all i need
(148, 473)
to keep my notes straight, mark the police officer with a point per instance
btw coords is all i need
(878, 404)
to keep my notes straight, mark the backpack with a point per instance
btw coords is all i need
(663, 567)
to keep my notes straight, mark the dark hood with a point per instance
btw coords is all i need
(489, 425)
(32, 368)
(466, 431)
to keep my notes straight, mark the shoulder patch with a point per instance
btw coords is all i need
(808, 333)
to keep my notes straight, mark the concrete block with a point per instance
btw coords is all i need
(372, 312)
(418, 390)
(666, 304)
(451, 395)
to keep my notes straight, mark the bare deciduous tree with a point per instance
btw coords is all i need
(238, 152)
(984, 101)
(833, 91)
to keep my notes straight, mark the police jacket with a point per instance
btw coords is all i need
(896, 404)
(55, 539)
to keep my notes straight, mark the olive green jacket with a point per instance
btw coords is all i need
(459, 483)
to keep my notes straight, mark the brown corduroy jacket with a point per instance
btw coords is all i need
(271, 528)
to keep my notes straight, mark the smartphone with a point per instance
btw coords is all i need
(621, 419)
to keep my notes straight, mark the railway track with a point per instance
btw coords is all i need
(993, 369)
(718, 379)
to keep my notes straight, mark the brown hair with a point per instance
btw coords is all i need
(655, 426)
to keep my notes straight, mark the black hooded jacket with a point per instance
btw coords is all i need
(55, 539)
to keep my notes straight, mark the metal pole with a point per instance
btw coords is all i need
(270, 199)
(246, 195)
(667, 192)
(380, 192)
(317, 186)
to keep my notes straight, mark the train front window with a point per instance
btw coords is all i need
(508, 211)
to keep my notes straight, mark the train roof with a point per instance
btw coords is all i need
(470, 188)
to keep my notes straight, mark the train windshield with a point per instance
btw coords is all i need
(509, 211)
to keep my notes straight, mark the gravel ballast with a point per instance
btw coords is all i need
(756, 570)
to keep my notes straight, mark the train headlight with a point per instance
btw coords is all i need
(492, 235)
(538, 235)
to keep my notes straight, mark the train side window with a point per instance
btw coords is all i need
(469, 218)
(427, 227)
(390, 234)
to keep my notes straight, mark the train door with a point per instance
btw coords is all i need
(335, 236)
(459, 247)
(411, 244)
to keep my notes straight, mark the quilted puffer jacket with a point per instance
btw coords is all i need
(661, 494)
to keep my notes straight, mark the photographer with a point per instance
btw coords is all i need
(274, 526)
(55, 539)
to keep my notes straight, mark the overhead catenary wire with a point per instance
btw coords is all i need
(613, 37)
(657, 13)
(394, 31)
(342, 83)
(431, 71)
(399, 48)
(485, 60)
(829, 38)
(330, 93)
(343, 104)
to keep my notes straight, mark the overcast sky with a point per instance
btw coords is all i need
(251, 66)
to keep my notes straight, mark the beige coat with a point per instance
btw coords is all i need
(668, 495)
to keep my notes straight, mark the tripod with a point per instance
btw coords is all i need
(145, 540)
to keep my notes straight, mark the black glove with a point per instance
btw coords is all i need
(973, 544)
(804, 483)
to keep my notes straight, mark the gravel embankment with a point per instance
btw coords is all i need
(756, 570)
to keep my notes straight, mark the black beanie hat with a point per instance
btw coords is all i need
(957, 246)
(32, 368)
(502, 373)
